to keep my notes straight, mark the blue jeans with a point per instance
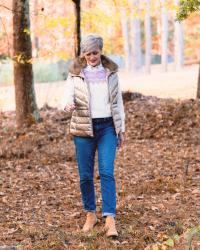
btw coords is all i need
(105, 142)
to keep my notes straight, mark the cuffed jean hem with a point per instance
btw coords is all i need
(108, 214)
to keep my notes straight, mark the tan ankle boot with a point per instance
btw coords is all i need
(91, 220)
(110, 227)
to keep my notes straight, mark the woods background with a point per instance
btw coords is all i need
(157, 171)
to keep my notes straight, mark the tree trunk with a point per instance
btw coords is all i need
(125, 32)
(164, 37)
(178, 42)
(198, 84)
(147, 38)
(77, 33)
(26, 108)
(136, 52)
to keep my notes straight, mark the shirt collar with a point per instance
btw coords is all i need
(91, 68)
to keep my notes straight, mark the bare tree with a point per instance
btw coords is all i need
(148, 38)
(164, 36)
(126, 37)
(178, 42)
(186, 8)
(77, 33)
(26, 108)
(136, 53)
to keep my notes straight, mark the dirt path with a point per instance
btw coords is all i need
(181, 84)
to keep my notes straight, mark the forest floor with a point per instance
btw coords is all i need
(157, 175)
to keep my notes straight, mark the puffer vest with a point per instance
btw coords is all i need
(81, 120)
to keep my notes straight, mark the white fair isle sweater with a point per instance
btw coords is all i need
(99, 95)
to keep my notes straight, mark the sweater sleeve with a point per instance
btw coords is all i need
(121, 107)
(68, 93)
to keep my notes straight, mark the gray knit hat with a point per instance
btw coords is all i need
(91, 42)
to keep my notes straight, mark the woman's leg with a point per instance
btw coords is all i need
(85, 154)
(107, 144)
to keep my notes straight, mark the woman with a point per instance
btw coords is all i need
(94, 97)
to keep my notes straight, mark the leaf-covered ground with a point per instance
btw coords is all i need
(157, 175)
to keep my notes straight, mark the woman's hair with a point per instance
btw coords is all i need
(91, 42)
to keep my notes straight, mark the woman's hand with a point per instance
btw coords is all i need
(69, 107)
(121, 139)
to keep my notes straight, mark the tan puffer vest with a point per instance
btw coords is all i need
(81, 121)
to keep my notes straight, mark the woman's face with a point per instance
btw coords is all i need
(93, 58)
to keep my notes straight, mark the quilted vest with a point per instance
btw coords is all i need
(81, 120)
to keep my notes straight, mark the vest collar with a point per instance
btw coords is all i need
(78, 64)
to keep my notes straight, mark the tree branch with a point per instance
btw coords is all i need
(6, 36)
(5, 7)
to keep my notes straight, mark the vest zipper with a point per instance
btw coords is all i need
(111, 103)
(90, 106)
